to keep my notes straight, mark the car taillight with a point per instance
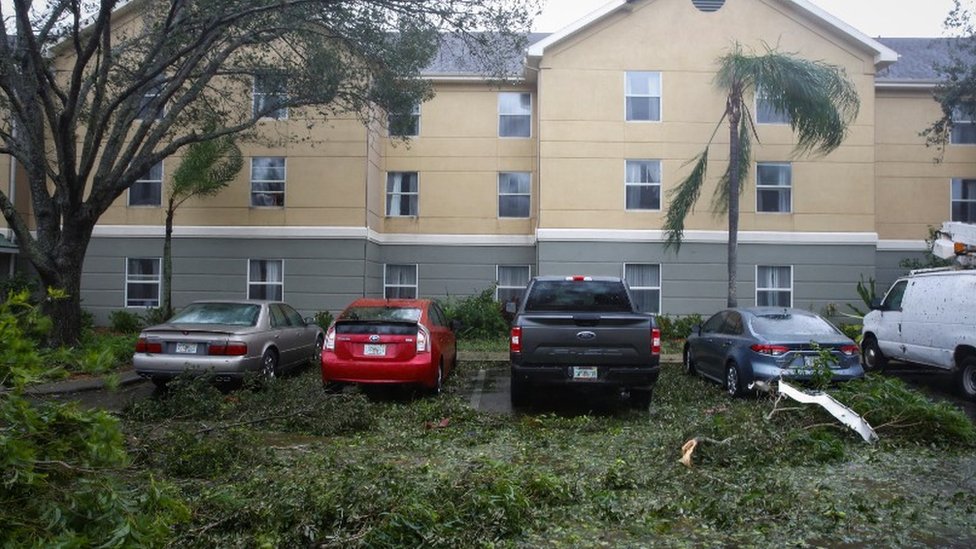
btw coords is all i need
(515, 341)
(423, 339)
(143, 346)
(849, 350)
(770, 350)
(330, 338)
(231, 348)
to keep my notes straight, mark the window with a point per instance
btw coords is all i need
(405, 124)
(774, 184)
(142, 281)
(643, 184)
(645, 286)
(402, 194)
(643, 96)
(400, 281)
(964, 200)
(766, 113)
(268, 181)
(514, 194)
(774, 286)
(269, 97)
(892, 301)
(147, 110)
(148, 189)
(512, 280)
(963, 127)
(514, 114)
(266, 279)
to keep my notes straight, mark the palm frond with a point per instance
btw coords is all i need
(683, 198)
(720, 200)
(206, 168)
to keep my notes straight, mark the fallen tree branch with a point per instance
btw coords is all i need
(688, 448)
(253, 421)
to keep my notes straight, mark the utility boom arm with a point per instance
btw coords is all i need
(957, 241)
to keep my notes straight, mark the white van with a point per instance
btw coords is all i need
(926, 318)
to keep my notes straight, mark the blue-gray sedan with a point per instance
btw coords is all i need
(736, 347)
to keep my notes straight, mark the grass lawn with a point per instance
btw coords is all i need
(291, 466)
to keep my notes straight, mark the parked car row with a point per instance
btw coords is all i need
(573, 332)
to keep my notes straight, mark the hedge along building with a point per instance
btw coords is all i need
(564, 169)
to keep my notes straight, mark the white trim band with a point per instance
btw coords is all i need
(902, 246)
(745, 237)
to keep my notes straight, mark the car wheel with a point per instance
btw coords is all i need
(872, 358)
(967, 377)
(688, 363)
(439, 383)
(316, 358)
(160, 382)
(733, 381)
(269, 365)
(641, 398)
(333, 387)
(519, 392)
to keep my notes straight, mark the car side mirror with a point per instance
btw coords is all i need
(309, 320)
(511, 307)
(455, 325)
(876, 304)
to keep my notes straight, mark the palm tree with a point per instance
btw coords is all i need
(819, 100)
(206, 168)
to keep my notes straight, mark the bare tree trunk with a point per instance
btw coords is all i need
(167, 304)
(735, 116)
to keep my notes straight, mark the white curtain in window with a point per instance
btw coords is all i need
(511, 276)
(774, 278)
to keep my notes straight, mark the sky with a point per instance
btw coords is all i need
(887, 18)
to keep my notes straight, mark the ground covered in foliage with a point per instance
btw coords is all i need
(291, 466)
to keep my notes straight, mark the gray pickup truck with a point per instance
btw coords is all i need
(582, 332)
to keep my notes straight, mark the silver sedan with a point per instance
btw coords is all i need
(228, 339)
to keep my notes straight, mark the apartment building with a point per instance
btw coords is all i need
(566, 169)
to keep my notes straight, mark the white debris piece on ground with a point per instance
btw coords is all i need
(843, 414)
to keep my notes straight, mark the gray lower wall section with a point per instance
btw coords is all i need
(324, 274)
(889, 268)
(694, 280)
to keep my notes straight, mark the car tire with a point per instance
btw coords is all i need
(333, 387)
(641, 398)
(733, 380)
(872, 359)
(689, 365)
(519, 392)
(967, 377)
(438, 387)
(160, 382)
(269, 366)
(316, 359)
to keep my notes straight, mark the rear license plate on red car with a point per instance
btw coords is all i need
(584, 372)
(374, 350)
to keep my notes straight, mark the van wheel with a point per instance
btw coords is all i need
(967, 377)
(871, 356)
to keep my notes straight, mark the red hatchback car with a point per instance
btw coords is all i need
(389, 341)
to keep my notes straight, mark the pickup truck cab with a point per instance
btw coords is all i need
(927, 318)
(582, 332)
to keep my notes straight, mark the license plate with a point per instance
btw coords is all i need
(587, 372)
(374, 350)
(809, 361)
(188, 348)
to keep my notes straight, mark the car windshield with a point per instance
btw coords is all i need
(574, 295)
(786, 324)
(382, 314)
(234, 314)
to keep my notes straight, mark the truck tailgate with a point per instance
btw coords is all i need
(586, 339)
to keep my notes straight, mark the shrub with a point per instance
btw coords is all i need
(155, 315)
(677, 327)
(125, 322)
(16, 284)
(852, 331)
(324, 319)
(480, 315)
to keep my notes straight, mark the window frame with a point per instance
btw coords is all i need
(158, 282)
(388, 192)
(659, 184)
(147, 97)
(415, 285)
(659, 96)
(501, 114)
(162, 177)
(498, 284)
(658, 288)
(283, 181)
(755, 106)
(414, 114)
(527, 194)
(247, 290)
(788, 188)
(283, 111)
(763, 289)
(959, 118)
(953, 200)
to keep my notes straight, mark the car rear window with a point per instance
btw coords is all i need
(573, 295)
(382, 314)
(785, 324)
(234, 314)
